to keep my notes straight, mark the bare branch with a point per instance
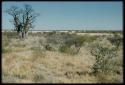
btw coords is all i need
(22, 17)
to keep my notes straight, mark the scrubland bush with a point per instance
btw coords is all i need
(116, 40)
(72, 50)
(76, 41)
(103, 57)
(106, 64)
(80, 40)
(42, 40)
(64, 48)
(46, 45)
(90, 39)
(106, 68)
(72, 44)
(57, 38)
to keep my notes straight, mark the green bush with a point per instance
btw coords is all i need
(103, 57)
(75, 40)
(68, 50)
(64, 48)
(72, 44)
(107, 67)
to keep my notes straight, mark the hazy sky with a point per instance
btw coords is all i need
(71, 15)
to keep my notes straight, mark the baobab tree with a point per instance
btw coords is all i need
(23, 19)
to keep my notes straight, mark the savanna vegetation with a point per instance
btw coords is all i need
(59, 57)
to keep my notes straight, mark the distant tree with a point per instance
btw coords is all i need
(23, 19)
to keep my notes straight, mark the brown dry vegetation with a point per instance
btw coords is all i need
(41, 59)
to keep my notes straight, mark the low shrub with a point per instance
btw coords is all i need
(103, 57)
(64, 48)
(106, 67)
(72, 50)
(116, 40)
(49, 47)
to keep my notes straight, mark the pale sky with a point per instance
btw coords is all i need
(71, 15)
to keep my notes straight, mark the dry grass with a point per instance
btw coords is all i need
(30, 62)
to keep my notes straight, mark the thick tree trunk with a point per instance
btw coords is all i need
(20, 35)
(24, 35)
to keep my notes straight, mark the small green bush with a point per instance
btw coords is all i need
(72, 44)
(75, 40)
(64, 48)
(68, 50)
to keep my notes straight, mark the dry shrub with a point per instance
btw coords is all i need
(105, 65)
